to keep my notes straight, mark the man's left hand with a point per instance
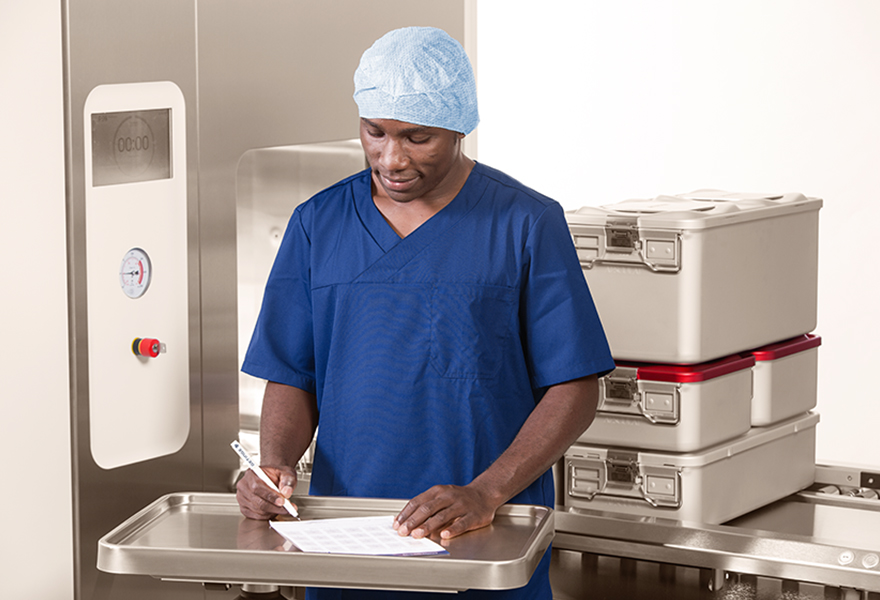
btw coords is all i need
(449, 510)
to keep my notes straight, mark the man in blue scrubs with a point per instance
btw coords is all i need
(428, 316)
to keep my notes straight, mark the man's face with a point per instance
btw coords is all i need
(409, 161)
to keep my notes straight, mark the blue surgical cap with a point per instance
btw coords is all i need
(418, 75)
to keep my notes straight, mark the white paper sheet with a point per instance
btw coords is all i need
(356, 535)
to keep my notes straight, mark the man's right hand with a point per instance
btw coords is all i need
(256, 500)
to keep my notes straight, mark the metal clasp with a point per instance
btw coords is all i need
(617, 473)
(622, 393)
(622, 242)
(622, 236)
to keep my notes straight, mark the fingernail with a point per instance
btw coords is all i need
(418, 533)
(279, 501)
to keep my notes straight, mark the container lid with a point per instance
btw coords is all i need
(691, 373)
(754, 437)
(695, 210)
(787, 347)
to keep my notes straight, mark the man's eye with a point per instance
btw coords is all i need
(419, 139)
(375, 134)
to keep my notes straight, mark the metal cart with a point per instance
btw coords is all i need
(201, 537)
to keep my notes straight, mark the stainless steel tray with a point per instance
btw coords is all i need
(203, 537)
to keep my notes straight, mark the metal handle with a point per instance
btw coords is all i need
(624, 244)
(618, 474)
(621, 393)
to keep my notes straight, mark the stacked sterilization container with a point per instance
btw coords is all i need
(707, 300)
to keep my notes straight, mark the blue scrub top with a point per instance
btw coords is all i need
(426, 353)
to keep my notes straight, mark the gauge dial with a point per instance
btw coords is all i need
(135, 273)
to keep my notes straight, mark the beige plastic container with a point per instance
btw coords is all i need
(785, 377)
(673, 408)
(711, 486)
(691, 278)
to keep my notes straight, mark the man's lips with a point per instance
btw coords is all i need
(397, 184)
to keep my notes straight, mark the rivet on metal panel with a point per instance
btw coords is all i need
(660, 249)
(659, 402)
(662, 406)
(664, 486)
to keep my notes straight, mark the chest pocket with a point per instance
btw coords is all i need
(472, 328)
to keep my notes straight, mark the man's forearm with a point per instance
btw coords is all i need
(287, 424)
(562, 415)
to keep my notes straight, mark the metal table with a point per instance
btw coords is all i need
(811, 536)
(201, 537)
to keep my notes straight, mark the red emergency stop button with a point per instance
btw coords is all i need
(147, 347)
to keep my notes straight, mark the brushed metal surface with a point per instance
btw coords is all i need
(270, 183)
(253, 75)
(576, 575)
(825, 520)
(271, 74)
(204, 538)
(121, 42)
(785, 547)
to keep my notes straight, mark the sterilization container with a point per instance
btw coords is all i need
(711, 486)
(785, 376)
(679, 408)
(691, 278)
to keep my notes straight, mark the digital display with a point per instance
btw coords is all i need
(129, 147)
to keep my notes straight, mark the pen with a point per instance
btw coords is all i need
(239, 449)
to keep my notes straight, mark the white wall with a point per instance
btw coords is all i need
(594, 102)
(36, 558)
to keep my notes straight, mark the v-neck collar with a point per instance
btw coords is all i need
(382, 232)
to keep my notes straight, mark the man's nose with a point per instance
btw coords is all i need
(393, 157)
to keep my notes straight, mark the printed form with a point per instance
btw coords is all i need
(355, 535)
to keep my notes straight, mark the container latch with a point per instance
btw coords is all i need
(621, 393)
(617, 473)
(622, 242)
(623, 467)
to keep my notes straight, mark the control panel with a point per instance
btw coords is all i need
(136, 271)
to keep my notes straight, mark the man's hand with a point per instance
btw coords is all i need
(287, 425)
(565, 411)
(256, 500)
(449, 510)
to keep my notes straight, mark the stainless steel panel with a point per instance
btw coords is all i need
(253, 75)
(203, 537)
(121, 42)
(576, 575)
(845, 560)
(849, 522)
(270, 183)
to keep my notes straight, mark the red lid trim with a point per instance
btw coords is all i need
(787, 347)
(691, 373)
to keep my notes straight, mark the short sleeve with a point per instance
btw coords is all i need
(563, 336)
(282, 347)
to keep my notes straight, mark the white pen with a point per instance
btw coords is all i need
(239, 449)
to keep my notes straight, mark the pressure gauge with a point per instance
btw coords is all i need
(135, 273)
